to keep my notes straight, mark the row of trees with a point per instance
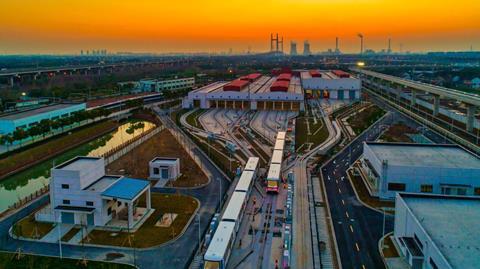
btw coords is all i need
(47, 126)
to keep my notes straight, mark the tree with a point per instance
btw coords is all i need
(45, 126)
(19, 134)
(6, 140)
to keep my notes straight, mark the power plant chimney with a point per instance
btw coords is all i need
(361, 43)
(293, 48)
(306, 48)
(389, 50)
(337, 50)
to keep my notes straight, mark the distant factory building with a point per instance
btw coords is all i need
(156, 85)
(334, 84)
(254, 91)
(28, 118)
(419, 168)
(437, 231)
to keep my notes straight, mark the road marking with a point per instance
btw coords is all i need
(340, 191)
(346, 214)
(336, 180)
(363, 266)
(358, 248)
(351, 228)
(343, 202)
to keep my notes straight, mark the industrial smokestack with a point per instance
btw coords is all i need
(337, 50)
(361, 43)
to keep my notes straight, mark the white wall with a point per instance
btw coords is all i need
(406, 225)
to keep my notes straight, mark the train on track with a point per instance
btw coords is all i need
(220, 247)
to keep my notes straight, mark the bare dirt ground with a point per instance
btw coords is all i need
(163, 144)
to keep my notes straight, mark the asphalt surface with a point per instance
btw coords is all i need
(358, 228)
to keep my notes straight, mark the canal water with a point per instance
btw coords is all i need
(29, 181)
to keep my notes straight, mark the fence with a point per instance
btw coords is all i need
(119, 151)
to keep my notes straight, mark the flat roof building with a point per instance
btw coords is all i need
(250, 92)
(159, 85)
(334, 84)
(28, 118)
(427, 168)
(437, 231)
(81, 193)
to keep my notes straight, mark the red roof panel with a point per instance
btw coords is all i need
(280, 86)
(235, 85)
(284, 76)
(341, 74)
(315, 74)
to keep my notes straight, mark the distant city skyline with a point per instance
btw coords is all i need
(53, 27)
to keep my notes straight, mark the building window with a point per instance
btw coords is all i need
(476, 191)
(89, 203)
(419, 243)
(156, 171)
(65, 186)
(462, 191)
(66, 202)
(426, 188)
(433, 265)
(396, 186)
(109, 211)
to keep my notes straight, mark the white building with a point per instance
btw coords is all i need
(156, 85)
(331, 84)
(437, 231)
(420, 168)
(164, 168)
(256, 95)
(81, 193)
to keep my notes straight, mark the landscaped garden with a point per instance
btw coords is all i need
(150, 233)
(366, 117)
(135, 163)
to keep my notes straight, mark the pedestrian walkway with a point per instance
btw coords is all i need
(78, 237)
(53, 235)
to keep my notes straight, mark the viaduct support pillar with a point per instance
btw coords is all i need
(470, 117)
(436, 104)
(413, 101)
(11, 81)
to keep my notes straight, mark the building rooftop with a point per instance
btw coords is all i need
(36, 111)
(78, 163)
(102, 183)
(126, 188)
(426, 155)
(452, 223)
(164, 159)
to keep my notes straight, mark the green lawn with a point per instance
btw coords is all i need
(149, 235)
(365, 118)
(29, 228)
(192, 118)
(11, 261)
(318, 133)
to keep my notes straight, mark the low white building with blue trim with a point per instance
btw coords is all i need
(81, 193)
(28, 118)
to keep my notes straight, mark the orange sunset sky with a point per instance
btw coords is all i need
(55, 26)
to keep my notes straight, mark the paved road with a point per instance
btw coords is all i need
(358, 228)
(176, 254)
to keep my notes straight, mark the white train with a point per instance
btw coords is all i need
(218, 252)
(274, 171)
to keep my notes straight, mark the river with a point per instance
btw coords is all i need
(34, 178)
